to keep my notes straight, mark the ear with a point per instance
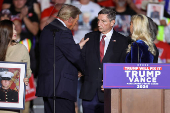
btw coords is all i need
(70, 20)
(112, 22)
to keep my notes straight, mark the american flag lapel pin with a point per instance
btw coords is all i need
(114, 40)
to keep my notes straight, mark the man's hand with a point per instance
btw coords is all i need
(24, 12)
(83, 42)
(102, 87)
(79, 74)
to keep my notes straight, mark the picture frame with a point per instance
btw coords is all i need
(12, 87)
(122, 24)
(155, 11)
(144, 3)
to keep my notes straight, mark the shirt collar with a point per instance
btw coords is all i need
(62, 22)
(108, 35)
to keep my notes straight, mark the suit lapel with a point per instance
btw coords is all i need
(97, 45)
(110, 47)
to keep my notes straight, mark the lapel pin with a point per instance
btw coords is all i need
(114, 40)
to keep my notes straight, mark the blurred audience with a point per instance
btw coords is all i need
(110, 3)
(51, 11)
(5, 14)
(32, 5)
(29, 18)
(89, 11)
(123, 17)
(44, 4)
(163, 48)
(122, 8)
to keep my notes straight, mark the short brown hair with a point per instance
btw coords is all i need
(111, 14)
(68, 11)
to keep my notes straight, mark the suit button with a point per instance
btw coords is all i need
(6, 95)
(6, 98)
(99, 68)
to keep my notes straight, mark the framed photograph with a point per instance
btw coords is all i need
(12, 87)
(144, 3)
(122, 24)
(155, 11)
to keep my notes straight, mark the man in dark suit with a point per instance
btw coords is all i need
(104, 46)
(67, 60)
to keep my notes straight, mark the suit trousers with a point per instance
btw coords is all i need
(93, 106)
(61, 105)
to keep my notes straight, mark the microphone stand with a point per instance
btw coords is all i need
(54, 96)
(54, 67)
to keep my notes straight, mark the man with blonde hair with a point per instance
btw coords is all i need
(67, 61)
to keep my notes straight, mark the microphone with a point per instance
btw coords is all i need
(54, 30)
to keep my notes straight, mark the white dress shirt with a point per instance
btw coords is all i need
(106, 39)
(62, 22)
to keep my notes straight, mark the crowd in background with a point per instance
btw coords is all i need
(31, 16)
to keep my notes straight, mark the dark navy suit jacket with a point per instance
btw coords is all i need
(68, 61)
(93, 76)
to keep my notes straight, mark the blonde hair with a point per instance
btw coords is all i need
(141, 32)
(68, 11)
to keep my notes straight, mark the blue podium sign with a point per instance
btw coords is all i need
(136, 75)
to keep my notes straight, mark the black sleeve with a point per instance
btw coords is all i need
(7, 2)
(33, 17)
